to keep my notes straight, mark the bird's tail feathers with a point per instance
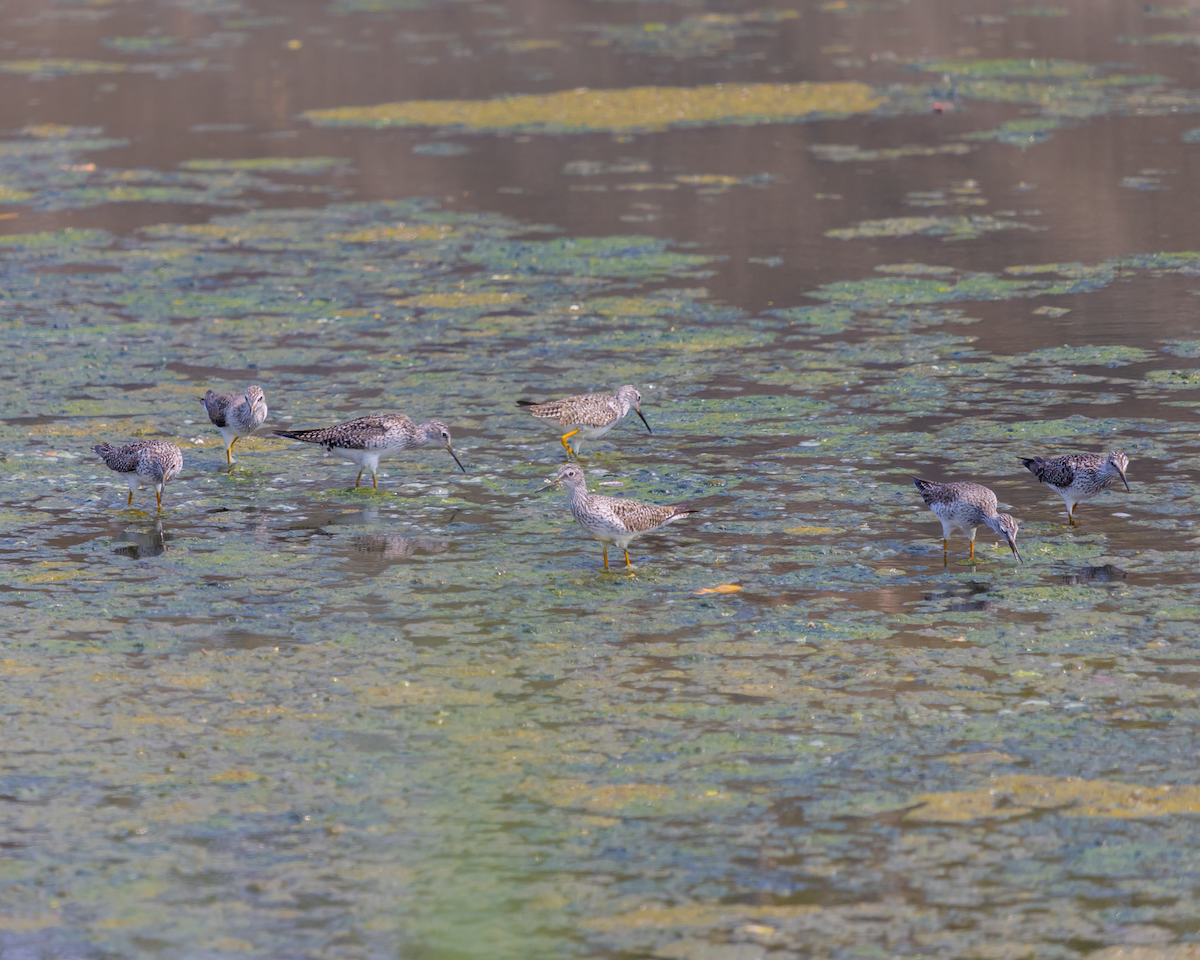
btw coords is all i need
(307, 436)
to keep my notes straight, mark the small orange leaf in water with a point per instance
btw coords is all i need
(723, 588)
(957, 639)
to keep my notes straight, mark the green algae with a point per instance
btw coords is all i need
(845, 153)
(461, 700)
(60, 67)
(1110, 356)
(876, 293)
(630, 109)
(701, 36)
(949, 228)
(47, 170)
(1060, 92)
(985, 69)
(310, 166)
(1174, 39)
(1021, 132)
(855, 8)
(150, 44)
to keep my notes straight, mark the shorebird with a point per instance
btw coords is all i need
(612, 519)
(368, 440)
(591, 414)
(966, 506)
(1079, 476)
(144, 462)
(236, 415)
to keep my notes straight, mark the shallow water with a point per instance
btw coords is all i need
(289, 718)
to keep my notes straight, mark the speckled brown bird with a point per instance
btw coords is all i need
(591, 414)
(368, 440)
(236, 415)
(1079, 476)
(612, 519)
(966, 506)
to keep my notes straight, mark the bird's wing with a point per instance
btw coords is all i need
(589, 409)
(638, 517)
(216, 404)
(1057, 472)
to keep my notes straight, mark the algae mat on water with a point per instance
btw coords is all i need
(414, 720)
(633, 109)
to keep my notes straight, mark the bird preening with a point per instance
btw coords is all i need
(236, 415)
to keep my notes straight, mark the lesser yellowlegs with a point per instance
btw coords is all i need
(143, 463)
(236, 415)
(368, 440)
(1079, 476)
(612, 519)
(966, 506)
(591, 415)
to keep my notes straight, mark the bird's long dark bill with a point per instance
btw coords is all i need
(643, 416)
(549, 486)
(456, 460)
(1126, 482)
(1013, 545)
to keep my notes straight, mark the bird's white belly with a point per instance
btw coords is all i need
(606, 532)
(593, 433)
(368, 459)
(952, 519)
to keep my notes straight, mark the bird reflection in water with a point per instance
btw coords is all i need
(960, 598)
(141, 541)
(390, 546)
(1085, 575)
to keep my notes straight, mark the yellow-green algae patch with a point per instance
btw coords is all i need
(60, 66)
(1021, 794)
(636, 108)
(306, 165)
(951, 228)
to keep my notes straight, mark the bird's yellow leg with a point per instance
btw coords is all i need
(605, 549)
(159, 493)
(945, 545)
(374, 481)
(1071, 516)
(229, 452)
(972, 549)
(566, 437)
(628, 565)
(356, 479)
(129, 502)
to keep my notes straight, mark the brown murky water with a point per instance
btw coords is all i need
(865, 240)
